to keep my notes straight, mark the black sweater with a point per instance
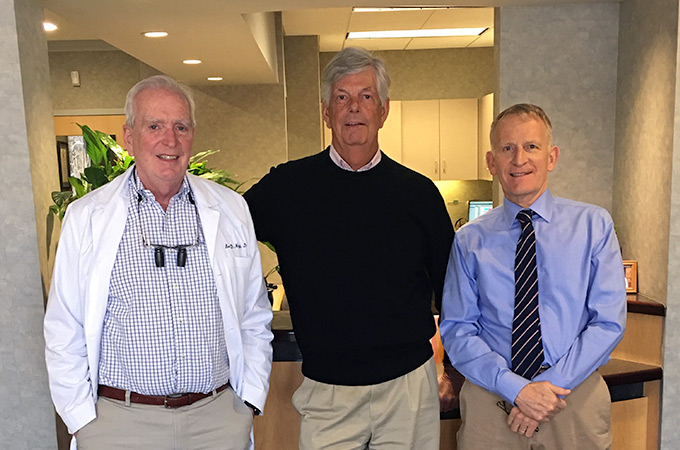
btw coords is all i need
(361, 254)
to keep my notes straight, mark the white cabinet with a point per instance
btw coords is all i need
(420, 136)
(485, 119)
(458, 148)
(439, 138)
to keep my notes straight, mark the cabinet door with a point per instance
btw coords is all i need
(458, 139)
(420, 136)
(485, 119)
(389, 135)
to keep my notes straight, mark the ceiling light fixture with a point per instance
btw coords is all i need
(441, 32)
(155, 34)
(215, 78)
(403, 8)
(49, 26)
(192, 61)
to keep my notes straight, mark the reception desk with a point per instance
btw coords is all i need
(633, 375)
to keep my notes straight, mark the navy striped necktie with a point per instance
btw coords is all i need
(527, 346)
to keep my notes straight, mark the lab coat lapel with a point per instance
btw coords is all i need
(208, 211)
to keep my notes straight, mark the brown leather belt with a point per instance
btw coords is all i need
(169, 401)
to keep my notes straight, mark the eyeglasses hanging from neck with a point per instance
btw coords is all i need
(159, 249)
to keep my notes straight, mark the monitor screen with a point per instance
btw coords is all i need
(478, 207)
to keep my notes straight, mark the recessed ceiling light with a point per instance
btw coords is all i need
(215, 78)
(155, 34)
(49, 26)
(192, 61)
(442, 32)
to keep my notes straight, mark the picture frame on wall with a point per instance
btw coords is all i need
(631, 275)
(63, 158)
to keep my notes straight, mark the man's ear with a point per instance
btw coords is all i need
(552, 157)
(490, 163)
(326, 116)
(385, 113)
(127, 138)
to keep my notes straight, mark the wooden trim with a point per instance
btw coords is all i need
(618, 372)
(644, 305)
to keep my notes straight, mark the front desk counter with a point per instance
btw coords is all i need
(633, 375)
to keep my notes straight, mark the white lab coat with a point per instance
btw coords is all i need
(90, 235)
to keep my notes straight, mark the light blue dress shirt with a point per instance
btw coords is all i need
(582, 296)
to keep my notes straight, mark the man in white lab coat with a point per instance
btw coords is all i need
(157, 327)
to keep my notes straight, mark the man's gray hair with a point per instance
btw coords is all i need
(524, 110)
(353, 60)
(157, 82)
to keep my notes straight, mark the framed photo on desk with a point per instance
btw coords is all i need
(630, 273)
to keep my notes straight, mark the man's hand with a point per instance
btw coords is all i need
(521, 423)
(540, 401)
(450, 382)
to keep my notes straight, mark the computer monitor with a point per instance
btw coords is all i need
(478, 207)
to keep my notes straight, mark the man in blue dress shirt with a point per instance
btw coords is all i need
(580, 304)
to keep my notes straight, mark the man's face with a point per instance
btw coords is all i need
(355, 113)
(521, 157)
(161, 139)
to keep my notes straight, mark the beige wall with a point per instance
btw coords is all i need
(456, 194)
(29, 153)
(572, 75)
(303, 96)
(436, 74)
(644, 138)
(647, 173)
(105, 78)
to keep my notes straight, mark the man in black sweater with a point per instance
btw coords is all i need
(362, 244)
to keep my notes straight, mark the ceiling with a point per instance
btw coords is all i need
(237, 39)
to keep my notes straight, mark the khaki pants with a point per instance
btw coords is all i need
(222, 421)
(399, 414)
(584, 424)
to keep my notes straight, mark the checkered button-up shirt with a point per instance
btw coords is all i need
(163, 331)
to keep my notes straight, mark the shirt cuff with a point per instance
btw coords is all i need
(509, 384)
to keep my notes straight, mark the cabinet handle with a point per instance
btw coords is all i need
(436, 166)
(444, 166)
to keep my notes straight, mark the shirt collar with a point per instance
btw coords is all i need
(137, 188)
(337, 159)
(543, 207)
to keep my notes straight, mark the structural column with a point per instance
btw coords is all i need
(28, 153)
(303, 98)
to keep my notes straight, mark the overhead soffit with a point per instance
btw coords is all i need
(231, 46)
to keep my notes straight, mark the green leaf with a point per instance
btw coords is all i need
(110, 143)
(200, 156)
(61, 198)
(197, 168)
(220, 178)
(49, 228)
(80, 187)
(96, 176)
(127, 160)
(269, 246)
(93, 145)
